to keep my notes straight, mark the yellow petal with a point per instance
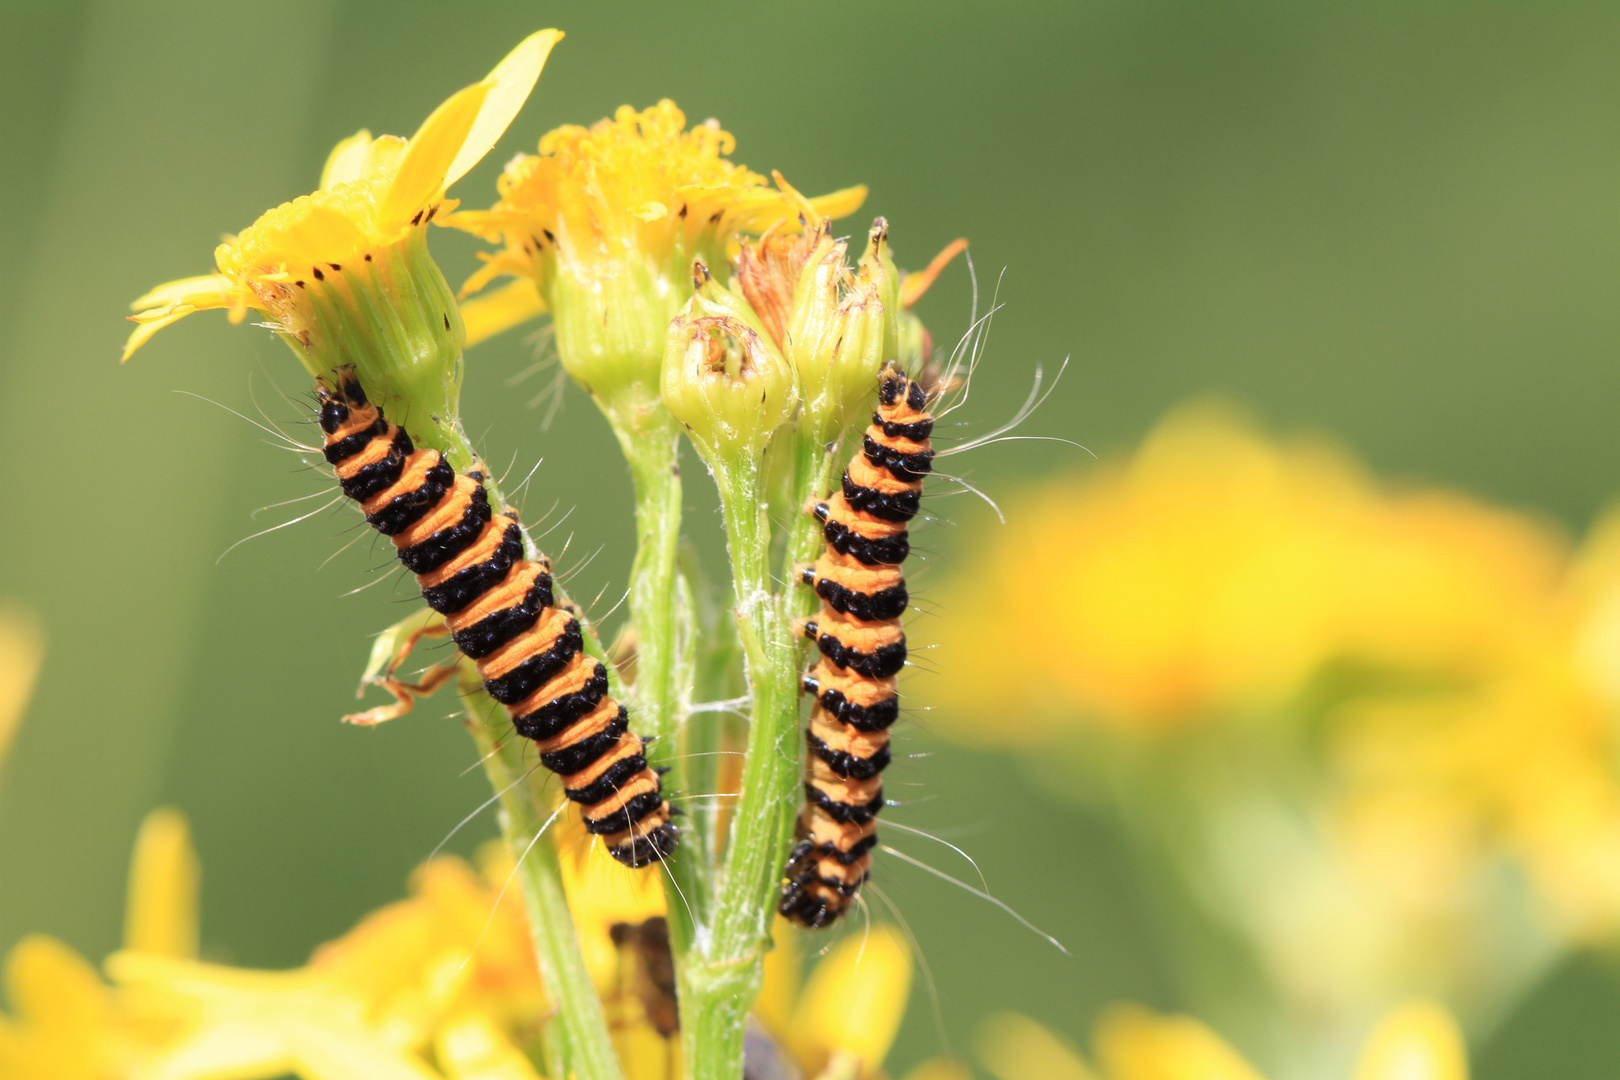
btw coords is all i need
(204, 982)
(796, 199)
(1134, 1044)
(54, 986)
(161, 916)
(840, 203)
(914, 285)
(1417, 1041)
(335, 1051)
(313, 233)
(224, 1048)
(652, 211)
(774, 1006)
(501, 309)
(204, 291)
(471, 1047)
(1014, 1047)
(22, 650)
(385, 155)
(601, 893)
(856, 997)
(509, 85)
(150, 326)
(433, 148)
(347, 160)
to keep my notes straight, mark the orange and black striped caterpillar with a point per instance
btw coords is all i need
(498, 605)
(863, 594)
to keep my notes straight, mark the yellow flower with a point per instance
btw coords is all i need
(1347, 715)
(66, 1023)
(1200, 577)
(601, 892)
(1416, 1041)
(448, 972)
(841, 1021)
(1218, 571)
(22, 651)
(343, 274)
(1015, 1047)
(601, 229)
(1134, 1044)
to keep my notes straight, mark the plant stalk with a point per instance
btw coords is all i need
(724, 974)
(650, 440)
(580, 1027)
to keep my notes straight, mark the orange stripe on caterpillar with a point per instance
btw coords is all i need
(863, 595)
(468, 560)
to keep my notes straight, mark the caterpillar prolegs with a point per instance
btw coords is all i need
(863, 595)
(468, 560)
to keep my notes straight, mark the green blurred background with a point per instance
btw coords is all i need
(1396, 223)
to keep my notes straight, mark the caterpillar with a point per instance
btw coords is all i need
(863, 595)
(468, 561)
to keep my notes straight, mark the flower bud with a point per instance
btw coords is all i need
(610, 326)
(723, 378)
(840, 326)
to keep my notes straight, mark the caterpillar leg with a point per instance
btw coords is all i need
(405, 695)
(395, 651)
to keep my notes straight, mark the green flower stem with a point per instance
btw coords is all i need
(723, 978)
(579, 1026)
(814, 465)
(650, 440)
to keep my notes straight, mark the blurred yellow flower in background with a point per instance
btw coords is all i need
(842, 1020)
(442, 984)
(1415, 1041)
(65, 1022)
(1355, 720)
(22, 651)
(1218, 570)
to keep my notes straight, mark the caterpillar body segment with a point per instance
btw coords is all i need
(863, 647)
(500, 611)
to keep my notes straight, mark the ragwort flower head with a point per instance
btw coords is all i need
(343, 274)
(602, 226)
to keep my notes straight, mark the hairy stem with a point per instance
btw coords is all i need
(650, 440)
(579, 1028)
(724, 976)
